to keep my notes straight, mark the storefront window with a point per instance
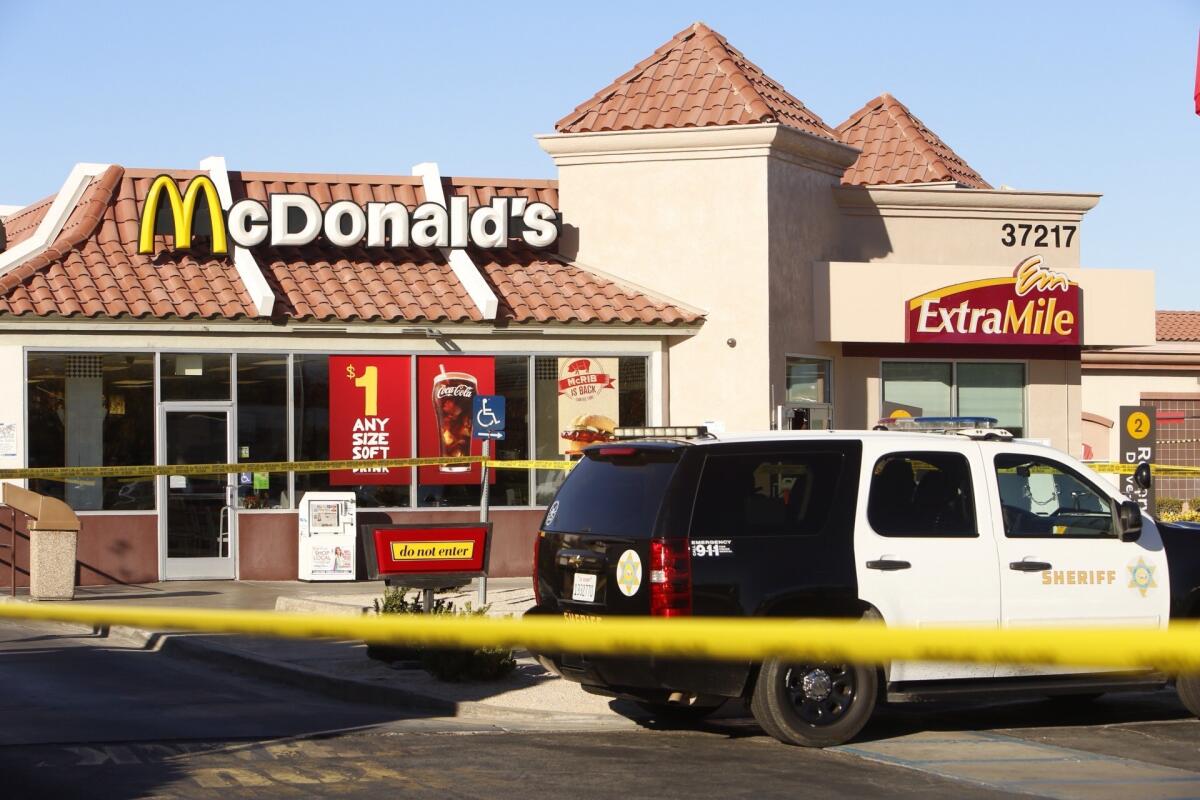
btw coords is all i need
(194, 376)
(89, 409)
(965, 389)
(262, 428)
(556, 415)
(511, 486)
(918, 389)
(993, 390)
(310, 392)
(807, 380)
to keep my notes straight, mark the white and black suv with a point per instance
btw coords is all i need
(911, 528)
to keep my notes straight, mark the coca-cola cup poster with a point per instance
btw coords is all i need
(588, 405)
(369, 417)
(446, 385)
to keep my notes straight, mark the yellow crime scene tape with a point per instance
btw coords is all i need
(1162, 470)
(1174, 650)
(151, 471)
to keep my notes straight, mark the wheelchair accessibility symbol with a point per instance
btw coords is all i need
(487, 414)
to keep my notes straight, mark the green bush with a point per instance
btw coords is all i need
(445, 664)
(1179, 516)
(1169, 505)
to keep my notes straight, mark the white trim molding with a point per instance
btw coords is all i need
(51, 226)
(244, 262)
(460, 261)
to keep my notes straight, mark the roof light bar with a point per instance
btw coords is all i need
(973, 427)
(663, 432)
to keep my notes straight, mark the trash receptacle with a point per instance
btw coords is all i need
(53, 538)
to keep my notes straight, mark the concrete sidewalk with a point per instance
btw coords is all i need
(342, 669)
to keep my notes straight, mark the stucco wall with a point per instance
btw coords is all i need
(689, 225)
(1052, 401)
(1105, 391)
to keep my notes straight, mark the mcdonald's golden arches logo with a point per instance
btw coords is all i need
(183, 208)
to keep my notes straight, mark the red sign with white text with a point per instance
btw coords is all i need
(369, 416)
(446, 385)
(1035, 306)
(432, 549)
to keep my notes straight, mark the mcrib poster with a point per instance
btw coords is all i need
(446, 386)
(587, 402)
(369, 416)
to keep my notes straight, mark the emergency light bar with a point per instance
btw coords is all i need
(973, 427)
(663, 432)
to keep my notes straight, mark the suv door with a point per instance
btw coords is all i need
(924, 549)
(1062, 559)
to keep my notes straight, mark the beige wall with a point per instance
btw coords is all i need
(940, 224)
(1052, 404)
(685, 214)
(1105, 391)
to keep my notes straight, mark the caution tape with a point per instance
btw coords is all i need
(1161, 470)
(532, 464)
(152, 471)
(1174, 650)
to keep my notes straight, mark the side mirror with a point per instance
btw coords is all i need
(1129, 520)
(1142, 476)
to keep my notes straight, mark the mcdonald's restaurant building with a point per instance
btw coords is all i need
(711, 251)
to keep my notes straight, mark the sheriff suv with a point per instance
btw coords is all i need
(914, 529)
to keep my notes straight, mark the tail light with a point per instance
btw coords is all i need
(537, 589)
(670, 578)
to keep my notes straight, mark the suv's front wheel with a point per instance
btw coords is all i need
(814, 704)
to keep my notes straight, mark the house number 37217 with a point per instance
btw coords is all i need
(1024, 234)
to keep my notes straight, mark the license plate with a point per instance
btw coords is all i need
(584, 588)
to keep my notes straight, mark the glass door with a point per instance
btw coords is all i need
(198, 524)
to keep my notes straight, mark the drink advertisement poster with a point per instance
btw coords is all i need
(446, 387)
(369, 407)
(588, 408)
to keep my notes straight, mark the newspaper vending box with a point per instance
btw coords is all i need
(328, 532)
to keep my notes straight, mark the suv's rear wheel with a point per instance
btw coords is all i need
(1188, 687)
(814, 704)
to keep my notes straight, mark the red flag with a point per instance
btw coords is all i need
(1196, 95)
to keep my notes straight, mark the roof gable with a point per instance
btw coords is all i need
(899, 148)
(695, 79)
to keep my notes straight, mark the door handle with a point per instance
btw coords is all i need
(1029, 566)
(888, 565)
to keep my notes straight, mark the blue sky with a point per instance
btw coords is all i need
(1065, 96)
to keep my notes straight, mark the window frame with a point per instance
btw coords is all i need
(954, 362)
(653, 400)
(1113, 503)
(916, 455)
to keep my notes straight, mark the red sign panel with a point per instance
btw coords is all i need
(430, 550)
(446, 385)
(1035, 306)
(369, 416)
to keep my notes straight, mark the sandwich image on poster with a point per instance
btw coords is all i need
(588, 408)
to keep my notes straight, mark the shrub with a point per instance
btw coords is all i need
(445, 664)
(1180, 516)
(1169, 505)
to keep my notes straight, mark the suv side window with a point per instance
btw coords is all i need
(767, 494)
(1043, 499)
(922, 494)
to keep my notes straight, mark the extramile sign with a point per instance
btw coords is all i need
(1036, 305)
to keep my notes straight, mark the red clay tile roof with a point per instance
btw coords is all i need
(695, 79)
(93, 269)
(21, 224)
(1177, 326)
(898, 148)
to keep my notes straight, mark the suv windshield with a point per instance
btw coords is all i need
(619, 496)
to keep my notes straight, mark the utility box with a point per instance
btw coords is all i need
(53, 541)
